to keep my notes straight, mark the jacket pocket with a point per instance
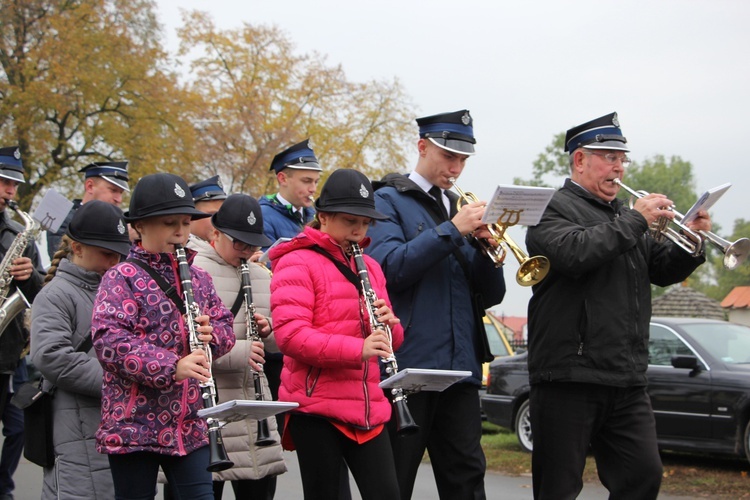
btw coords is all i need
(313, 374)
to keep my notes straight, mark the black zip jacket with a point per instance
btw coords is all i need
(589, 319)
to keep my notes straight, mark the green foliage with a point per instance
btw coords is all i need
(552, 163)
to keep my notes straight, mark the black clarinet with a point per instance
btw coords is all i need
(405, 424)
(253, 334)
(218, 459)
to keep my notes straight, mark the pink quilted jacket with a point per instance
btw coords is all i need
(320, 325)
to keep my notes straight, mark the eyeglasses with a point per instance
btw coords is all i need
(239, 246)
(611, 158)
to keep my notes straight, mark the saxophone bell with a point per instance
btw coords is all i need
(11, 306)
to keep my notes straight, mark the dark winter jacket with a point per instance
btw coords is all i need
(589, 318)
(435, 279)
(16, 335)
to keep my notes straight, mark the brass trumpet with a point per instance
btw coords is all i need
(532, 270)
(691, 241)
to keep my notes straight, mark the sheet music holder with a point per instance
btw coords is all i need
(705, 202)
(52, 210)
(424, 379)
(517, 205)
(264, 258)
(240, 409)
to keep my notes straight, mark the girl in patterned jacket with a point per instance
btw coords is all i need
(331, 356)
(150, 392)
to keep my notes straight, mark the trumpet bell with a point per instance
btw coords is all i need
(533, 270)
(736, 253)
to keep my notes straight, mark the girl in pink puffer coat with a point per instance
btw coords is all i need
(331, 357)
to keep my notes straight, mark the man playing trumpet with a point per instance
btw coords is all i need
(440, 285)
(589, 322)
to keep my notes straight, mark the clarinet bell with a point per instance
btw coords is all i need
(264, 436)
(405, 424)
(218, 459)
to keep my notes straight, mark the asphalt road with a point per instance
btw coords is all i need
(28, 480)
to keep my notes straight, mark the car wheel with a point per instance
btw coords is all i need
(746, 442)
(523, 427)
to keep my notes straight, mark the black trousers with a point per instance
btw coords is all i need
(321, 448)
(618, 424)
(450, 428)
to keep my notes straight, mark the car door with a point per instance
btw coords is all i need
(681, 397)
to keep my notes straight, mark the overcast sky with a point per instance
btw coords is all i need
(677, 73)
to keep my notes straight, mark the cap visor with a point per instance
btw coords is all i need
(193, 213)
(305, 166)
(120, 247)
(361, 211)
(13, 175)
(613, 145)
(454, 145)
(248, 238)
(122, 184)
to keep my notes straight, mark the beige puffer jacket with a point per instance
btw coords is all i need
(232, 374)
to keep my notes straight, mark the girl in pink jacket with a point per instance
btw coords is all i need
(331, 357)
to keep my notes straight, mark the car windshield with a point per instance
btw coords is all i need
(728, 342)
(497, 347)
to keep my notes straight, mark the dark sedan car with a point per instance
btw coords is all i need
(699, 383)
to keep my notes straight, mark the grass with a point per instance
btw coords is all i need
(698, 476)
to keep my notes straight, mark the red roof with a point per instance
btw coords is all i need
(514, 323)
(738, 298)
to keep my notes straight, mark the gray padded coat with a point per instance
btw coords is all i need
(61, 320)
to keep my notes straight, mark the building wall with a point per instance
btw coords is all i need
(741, 316)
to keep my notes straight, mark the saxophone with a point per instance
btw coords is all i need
(12, 306)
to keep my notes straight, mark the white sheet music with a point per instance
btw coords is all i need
(424, 379)
(705, 202)
(240, 409)
(52, 210)
(517, 205)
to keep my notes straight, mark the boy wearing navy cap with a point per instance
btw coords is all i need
(589, 323)
(297, 172)
(26, 276)
(208, 196)
(105, 181)
(285, 214)
(440, 286)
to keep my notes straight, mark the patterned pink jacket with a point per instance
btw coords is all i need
(320, 325)
(139, 335)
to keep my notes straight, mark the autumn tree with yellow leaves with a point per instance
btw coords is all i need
(255, 96)
(89, 80)
(86, 81)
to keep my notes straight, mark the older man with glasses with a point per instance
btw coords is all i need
(589, 323)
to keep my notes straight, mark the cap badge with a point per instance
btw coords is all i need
(251, 219)
(17, 154)
(615, 121)
(179, 191)
(363, 192)
(466, 118)
(218, 183)
(120, 227)
(310, 143)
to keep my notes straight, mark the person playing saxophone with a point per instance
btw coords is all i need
(22, 272)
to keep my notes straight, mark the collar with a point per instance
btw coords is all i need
(420, 181)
